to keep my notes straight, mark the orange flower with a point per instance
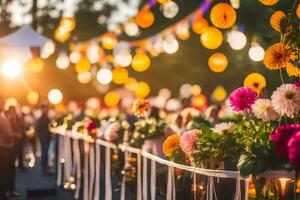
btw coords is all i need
(140, 107)
(268, 2)
(298, 11)
(292, 70)
(223, 15)
(277, 19)
(279, 56)
(170, 144)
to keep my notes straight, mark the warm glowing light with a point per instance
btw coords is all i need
(68, 23)
(170, 45)
(235, 4)
(256, 52)
(11, 69)
(217, 62)
(84, 77)
(35, 64)
(109, 41)
(111, 99)
(236, 39)
(11, 101)
(211, 38)
(172, 105)
(120, 75)
(83, 65)
(144, 18)
(33, 97)
(93, 53)
(62, 61)
(55, 96)
(165, 93)
(182, 31)
(93, 103)
(140, 62)
(170, 9)
(185, 90)
(196, 89)
(48, 49)
(131, 28)
(61, 34)
(75, 57)
(219, 94)
(130, 84)
(142, 90)
(104, 76)
(199, 102)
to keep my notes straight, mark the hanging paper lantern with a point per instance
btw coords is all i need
(268, 2)
(142, 90)
(217, 62)
(130, 84)
(211, 38)
(104, 76)
(170, 44)
(61, 35)
(144, 18)
(84, 77)
(219, 94)
(199, 102)
(83, 65)
(256, 52)
(277, 20)
(223, 15)
(140, 62)
(35, 64)
(236, 39)
(55, 96)
(182, 31)
(120, 75)
(62, 61)
(109, 41)
(75, 56)
(68, 23)
(170, 9)
(33, 97)
(111, 99)
(199, 24)
(131, 28)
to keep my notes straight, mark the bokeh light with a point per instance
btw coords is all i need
(104, 76)
(55, 96)
(11, 69)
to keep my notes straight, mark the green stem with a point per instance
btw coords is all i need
(281, 76)
(291, 11)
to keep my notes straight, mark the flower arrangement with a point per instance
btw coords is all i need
(172, 150)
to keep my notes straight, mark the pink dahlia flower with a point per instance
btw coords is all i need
(294, 149)
(188, 141)
(242, 98)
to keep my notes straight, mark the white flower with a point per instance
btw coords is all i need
(224, 127)
(286, 100)
(263, 109)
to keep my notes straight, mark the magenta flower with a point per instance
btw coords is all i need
(242, 98)
(285, 138)
(188, 141)
(91, 126)
(294, 149)
(297, 83)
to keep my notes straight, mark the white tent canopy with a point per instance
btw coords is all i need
(24, 37)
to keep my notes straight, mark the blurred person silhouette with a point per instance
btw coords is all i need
(15, 124)
(6, 147)
(42, 129)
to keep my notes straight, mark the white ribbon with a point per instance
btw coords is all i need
(246, 188)
(97, 175)
(86, 177)
(123, 184)
(59, 164)
(68, 159)
(171, 191)
(238, 189)
(108, 188)
(145, 179)
(92, 171)
(139, 177)
(78, 168)
(153, 180)
(195, 185)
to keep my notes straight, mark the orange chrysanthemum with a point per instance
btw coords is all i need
(140, 107)
(298, 11)
(223, 15)
(277, 19)
(268, 2)
(170, 144)
(278, 56)
(292, 70)
(255, 81)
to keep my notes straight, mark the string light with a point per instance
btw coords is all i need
(84, 77)
(131, 28)
(236, 39)
(185, 90)
(55, 96)
(104, 76)
(256, 52)
(11, 69)
(170, 44)
(170, 9)
(62, 61)
(75, 57)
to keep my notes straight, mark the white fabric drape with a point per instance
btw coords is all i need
(97, 175)
(108, 188)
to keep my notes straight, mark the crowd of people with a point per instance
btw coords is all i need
(17, 132)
